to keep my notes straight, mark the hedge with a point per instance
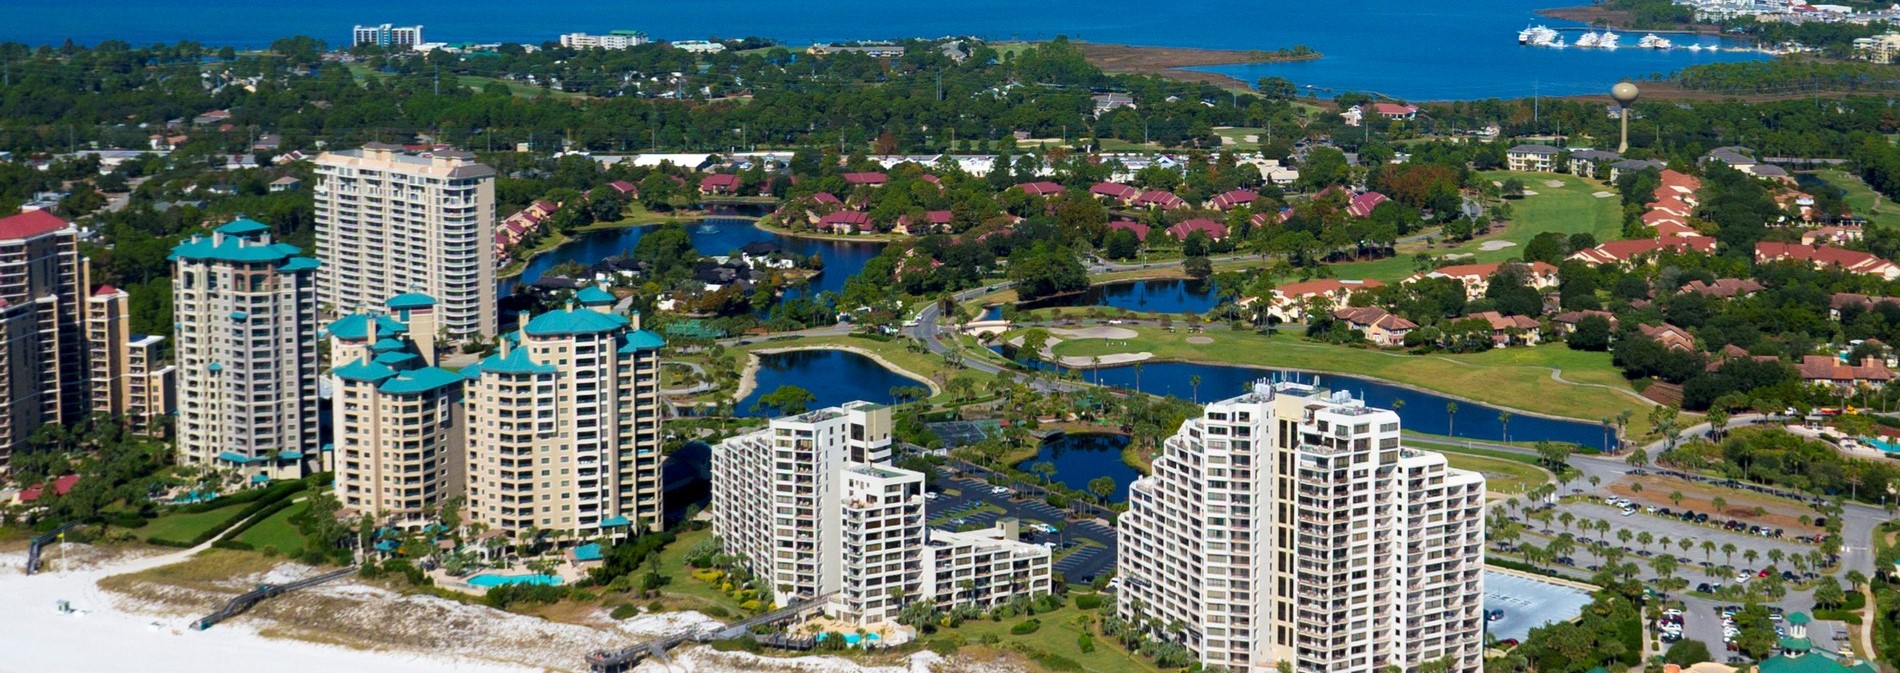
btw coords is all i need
(266, 498)
(230, 541)
(1025, 627)
(1088, 601)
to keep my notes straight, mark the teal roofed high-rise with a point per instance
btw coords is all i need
(397, 452)
(574, 393)
(245, 314)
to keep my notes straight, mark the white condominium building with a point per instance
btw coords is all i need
(814, 507)
(130, 379)
(245, 320)
(398, 448)
(619, 39)
(386, 35)
(1289, 525)
(390, 222)
(564, 426)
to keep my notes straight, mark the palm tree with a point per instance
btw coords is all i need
(1451, 414)
(1194, 382)
(1624, 535)
(1504, 418)
(1750, 555)
(1645, 539)
(1775, 555)
(1606, 433)
(1708, 548)
(1137, 376)
(1728, 552)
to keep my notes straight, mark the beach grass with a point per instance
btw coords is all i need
(277, 531)
(1054, 646)
(685, 589)
(1517, 378)
(184, 527)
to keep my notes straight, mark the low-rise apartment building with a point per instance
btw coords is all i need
(813, 506)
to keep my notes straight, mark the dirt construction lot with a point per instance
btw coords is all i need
(1777, 513)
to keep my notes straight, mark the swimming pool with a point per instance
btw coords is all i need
(488, 581)
(1885, 445)
(852, 639)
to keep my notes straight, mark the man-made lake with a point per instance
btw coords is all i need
(1418, 411)
(713, 236)
(1420, 51)
(1148, 296)
(834, 376)
(1081, 457)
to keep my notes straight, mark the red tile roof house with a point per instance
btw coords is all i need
(625, 188)
(1233, 199)
(1725, 288)
(1155, 198)
(1827, 369)
(1288, 302)
(1842, 300)
(934, 221)
(61, 486)
(1566, 322)
(1395, 111)
(826, 199)
(1043, 189)
(846, 222)
(1510, 330)
(1379, 327)
(1670, 336)
(866, 179)
(1823, 256)
(1643, 249)
(1141, 230)
(1214, 230)
(719, 183)
(1362, 205)
(1114, 191)
(1477, 277)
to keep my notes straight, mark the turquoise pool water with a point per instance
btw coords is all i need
(853, 639)
(1885, 445)
(489, 580)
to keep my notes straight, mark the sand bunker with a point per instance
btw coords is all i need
(1489, 246)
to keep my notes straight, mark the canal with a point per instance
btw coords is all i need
(711, 236)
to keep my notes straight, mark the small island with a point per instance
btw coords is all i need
(1175, 62)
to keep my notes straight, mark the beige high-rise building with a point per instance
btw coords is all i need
(563, 426)
(1288, 525)
(245, 314)
(130, 378)
(818, 513)
(397, 450)
(44, 378)
(391, 221)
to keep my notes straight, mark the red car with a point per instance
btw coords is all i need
(1763, 573)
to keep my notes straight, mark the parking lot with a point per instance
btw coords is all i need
(1087, 559)
(1676, 529)
(1524, 603)
(1702, 620)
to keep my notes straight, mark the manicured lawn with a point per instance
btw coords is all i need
(1501, 476)
(1568, 209)
(1861, 198)
(1512, 378)
(1058, 637)
(685, 587)
(186, 527)
(277, 532)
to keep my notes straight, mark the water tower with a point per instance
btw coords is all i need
(1625, 94)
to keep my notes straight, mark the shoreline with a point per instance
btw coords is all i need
(515, 269)
(748, 378)
(836, 238)
(1591, 15)
(1179, 63)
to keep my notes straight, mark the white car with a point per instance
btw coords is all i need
(930, 496)
(999, 490)
(1627, 511)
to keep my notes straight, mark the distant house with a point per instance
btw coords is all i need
(1737, 157)
(624, 188)
(1141, 230)
(1214, 230)
(60, 486)
(1114, 192)
(1362, 205)
(1379, 327)
(1846, 233)
(1829, 370)
(1587, 163)
(846, 222)
(1395, 111)
(285, 184)
(1566, 322)
(212, 117)
(1823, 256)
(1724, 288)
(1155, 198)
(1288, 303)
(866, 179)
(826, 200)
(719, 184)
(1844, 300)
(1618, 168)
(934, 221)
(1233, 199)
(1642, 249)
(1670, 336)
(1043, 189)
(1477, 277)
(1110, 102)
(1532, 158)
(1510, 330)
